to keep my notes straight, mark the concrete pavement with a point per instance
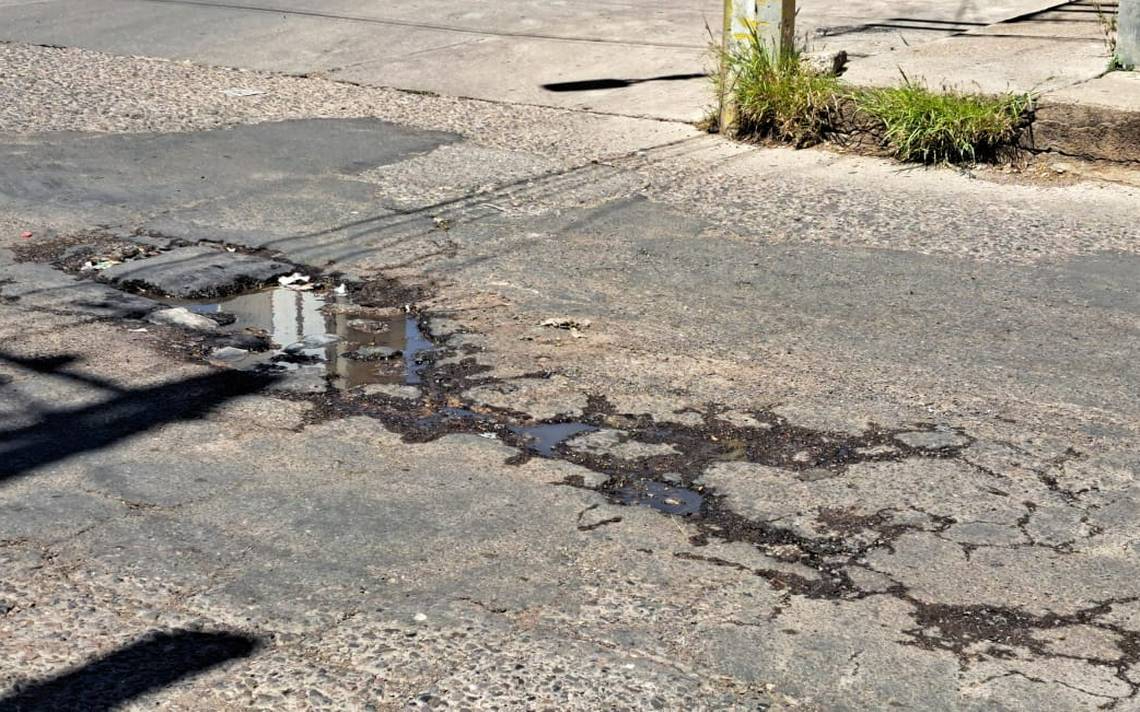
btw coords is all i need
(1039, 52)
(505, 51)
(625, 59)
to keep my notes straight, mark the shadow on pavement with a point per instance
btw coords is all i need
(59, 434)
(148, 664)
(613, 83)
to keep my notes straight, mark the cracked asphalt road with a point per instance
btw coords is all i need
(905, 400)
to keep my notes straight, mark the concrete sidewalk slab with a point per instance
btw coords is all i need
(654, 82)
(587, 55)
(504, 50)
(1044, 51)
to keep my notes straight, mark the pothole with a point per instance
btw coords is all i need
(316, 336)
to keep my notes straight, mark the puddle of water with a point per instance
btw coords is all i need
(544, 437)
(416, 343)
(662, 497)
(290, 318)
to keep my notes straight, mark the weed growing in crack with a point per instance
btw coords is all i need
(779, 95)
(788, 98)
(1108, 26)
(925, 126)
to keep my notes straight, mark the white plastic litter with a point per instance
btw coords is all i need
(296, 281)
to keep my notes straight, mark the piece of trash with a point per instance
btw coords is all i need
(231, 249)
(566, 322)
(241, 91)
(340, 290)
(420, 617)
(372, 326)
(489, 436)
(229, 353)
(98, 266)
(297, 282)
(140, 330)
(311, 342)
(25, 234)
(182, 317)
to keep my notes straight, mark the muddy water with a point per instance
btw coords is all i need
(320, 330)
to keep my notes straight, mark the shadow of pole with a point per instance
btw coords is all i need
(59, 434)
(614, 83)
(149, 664)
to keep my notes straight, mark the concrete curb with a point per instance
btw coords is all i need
(1085, 131)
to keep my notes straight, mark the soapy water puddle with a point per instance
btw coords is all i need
(320, 330)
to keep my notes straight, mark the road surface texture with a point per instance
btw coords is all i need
(667, 423)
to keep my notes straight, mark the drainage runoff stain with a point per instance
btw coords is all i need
(355, 345)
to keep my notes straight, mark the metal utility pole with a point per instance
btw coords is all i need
(773, 21)
(1128, 34)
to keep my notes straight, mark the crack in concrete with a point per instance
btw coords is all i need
(1040, 680)
(598, 525)
(484, 606)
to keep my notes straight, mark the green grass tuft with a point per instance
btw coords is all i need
(781, 97)
(788, 99)
(917, 124)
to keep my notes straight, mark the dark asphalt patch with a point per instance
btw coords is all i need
(197, 272)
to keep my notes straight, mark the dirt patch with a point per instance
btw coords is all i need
(86, 253)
